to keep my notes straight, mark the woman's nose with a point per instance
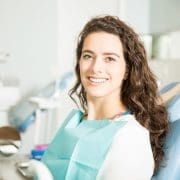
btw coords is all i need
(97, 65)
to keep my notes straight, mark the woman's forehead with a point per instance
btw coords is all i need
(102, 42)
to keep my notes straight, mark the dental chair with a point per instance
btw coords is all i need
(170, 169)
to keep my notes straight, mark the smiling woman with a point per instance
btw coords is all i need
(120, 131)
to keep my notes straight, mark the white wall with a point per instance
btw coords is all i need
(136, 14)
(29, 34)
(151, 16)
(165, 15)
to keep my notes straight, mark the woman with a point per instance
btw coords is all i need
(119, 133)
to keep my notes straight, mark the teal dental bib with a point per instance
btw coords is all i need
(80, 147)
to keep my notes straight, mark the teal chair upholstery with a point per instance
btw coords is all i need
(170, 169)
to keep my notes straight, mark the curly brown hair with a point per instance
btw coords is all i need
(139, 91)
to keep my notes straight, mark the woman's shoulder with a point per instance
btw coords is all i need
(132, 134)
(132, 125)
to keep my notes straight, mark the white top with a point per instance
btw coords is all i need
(130, 156)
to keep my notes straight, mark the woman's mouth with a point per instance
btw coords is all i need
(95, 80)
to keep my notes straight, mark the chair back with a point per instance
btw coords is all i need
(170, 168)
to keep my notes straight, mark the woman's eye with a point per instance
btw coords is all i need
(87, 56)
(110, 59)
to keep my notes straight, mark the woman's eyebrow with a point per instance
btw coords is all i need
(88, 51)
(105, 53)
(111, 53)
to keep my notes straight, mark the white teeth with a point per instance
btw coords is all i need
(98, 80)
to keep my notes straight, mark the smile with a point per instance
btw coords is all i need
(97, 80)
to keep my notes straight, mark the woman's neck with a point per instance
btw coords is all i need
(104, 109)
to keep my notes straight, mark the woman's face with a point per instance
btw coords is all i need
(102, 65)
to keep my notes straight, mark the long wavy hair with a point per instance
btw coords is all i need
(139, 91)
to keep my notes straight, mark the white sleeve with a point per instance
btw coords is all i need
(130, 156)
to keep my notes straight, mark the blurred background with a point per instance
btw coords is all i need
(37, 55)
